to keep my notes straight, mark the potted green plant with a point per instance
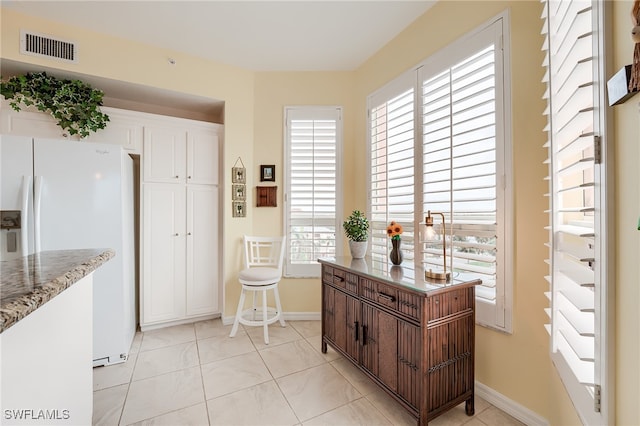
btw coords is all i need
(74, 104)
(356, 228)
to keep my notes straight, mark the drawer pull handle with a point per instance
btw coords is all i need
(357, 329)
(388, 297)
(338, 278)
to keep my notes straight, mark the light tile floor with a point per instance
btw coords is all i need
(196, 374)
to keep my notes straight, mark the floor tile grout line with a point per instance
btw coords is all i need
(204, 391)
(126, 395)
(169, 412)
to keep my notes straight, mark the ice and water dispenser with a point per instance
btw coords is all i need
(10, 228)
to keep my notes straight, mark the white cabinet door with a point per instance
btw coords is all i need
(202, 157)
(202, 250)
(163, 252)
(164, 158)
(122, 129)
(30, 122)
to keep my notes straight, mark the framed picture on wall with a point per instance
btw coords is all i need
(239, 209)
(238, 175)
(267, 173)
(239, 192)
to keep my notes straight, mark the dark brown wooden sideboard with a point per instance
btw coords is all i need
(412, 337)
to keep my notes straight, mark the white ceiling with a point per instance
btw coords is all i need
(300, 35)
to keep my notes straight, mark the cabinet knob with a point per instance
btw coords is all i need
(175, 235)
(188, 233)
(177, 177)
(188, 177)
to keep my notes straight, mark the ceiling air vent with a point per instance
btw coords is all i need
(43, 45)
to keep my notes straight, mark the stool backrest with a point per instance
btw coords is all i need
(266, 252)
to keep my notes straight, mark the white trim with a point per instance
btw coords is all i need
(509, 406)
(149, 327)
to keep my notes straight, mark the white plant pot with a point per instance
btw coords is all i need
(358, 248)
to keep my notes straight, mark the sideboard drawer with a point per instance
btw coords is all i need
(342, 279)
(449, 303)
(402, 302)
(327, 274)
(339, 278)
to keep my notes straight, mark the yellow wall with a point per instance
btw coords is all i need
(626, 141)
(516, 365)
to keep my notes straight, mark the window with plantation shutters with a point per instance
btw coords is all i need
(392, 182)
(313, 138)
(440, 141)
(575, 128)
(464, 153)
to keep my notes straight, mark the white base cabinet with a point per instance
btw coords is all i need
(180, 274)
(46, 368)
(202, 250)
(164, 253)
(180, 231)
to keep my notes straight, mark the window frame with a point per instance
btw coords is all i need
(310, 112)
(499, 315)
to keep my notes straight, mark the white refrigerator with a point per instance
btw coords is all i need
(58, 195)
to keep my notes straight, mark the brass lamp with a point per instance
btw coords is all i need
(428, 233)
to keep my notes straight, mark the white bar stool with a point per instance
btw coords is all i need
(263, 259)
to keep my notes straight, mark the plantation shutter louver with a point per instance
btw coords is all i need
(392, 172)
(573, 114)
(313, 141)
(459, 148)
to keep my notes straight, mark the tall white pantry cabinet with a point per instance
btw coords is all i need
(179, 205)
(179, 224)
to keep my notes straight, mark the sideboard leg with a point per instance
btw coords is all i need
(324, 347)
(468, 407)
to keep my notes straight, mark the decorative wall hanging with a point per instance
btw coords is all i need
(239, 174)
(267, 196)
(634, 81)
(267, 173)
(239, 189)
(239, 192)
(239, 209)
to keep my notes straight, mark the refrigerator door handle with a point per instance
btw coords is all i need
(37, 202)
(25, 231)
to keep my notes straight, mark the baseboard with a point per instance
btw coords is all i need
(154, 326)
(509, 406)
(288, 316)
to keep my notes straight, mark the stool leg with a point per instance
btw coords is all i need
(234, 329)
(264, 317)
(278, 306)
(253, 314)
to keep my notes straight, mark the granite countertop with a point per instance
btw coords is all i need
(407, 274)
(31, 281)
